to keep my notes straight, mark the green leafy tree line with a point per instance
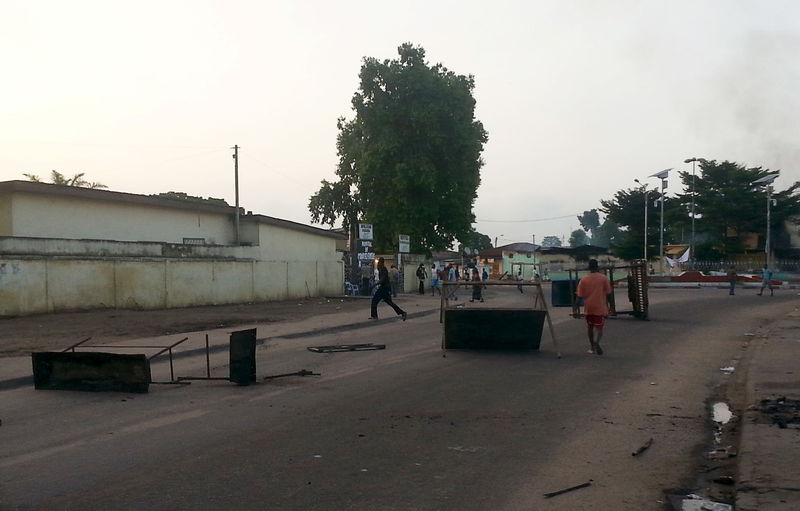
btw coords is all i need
(410, 158)
(57, 178)
(727, 207)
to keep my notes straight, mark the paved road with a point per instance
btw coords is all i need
(403, 428)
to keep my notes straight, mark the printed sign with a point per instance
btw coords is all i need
(365, 231)
(366, 256)
(405, 243)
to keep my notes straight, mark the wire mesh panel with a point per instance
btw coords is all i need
(637, 288)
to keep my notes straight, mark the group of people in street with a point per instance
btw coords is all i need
(766, 280)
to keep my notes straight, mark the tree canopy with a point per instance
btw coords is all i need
(626, 210)
(728, 205)
(57, 178)
(551, 241)
(410, 159)
(578, 238)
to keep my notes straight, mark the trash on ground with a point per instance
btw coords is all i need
(749, 334)
(346, 347)
(783, 411)
(728, 369)
(643, 448)
(694, 502)
(722, 453)
(301, 372)
(565, 490)
(721, 413)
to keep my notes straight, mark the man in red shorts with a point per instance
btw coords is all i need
(594, 289)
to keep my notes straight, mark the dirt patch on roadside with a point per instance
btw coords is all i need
(22, 335)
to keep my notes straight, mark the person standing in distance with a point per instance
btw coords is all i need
(766, 281)
(394, 275)
(732, 278)
(422, 275)
(595, 289)
(384, 292)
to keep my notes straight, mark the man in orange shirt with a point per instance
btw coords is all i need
(594, 289)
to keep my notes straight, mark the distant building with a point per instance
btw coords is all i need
(65, 248)
(549, 262)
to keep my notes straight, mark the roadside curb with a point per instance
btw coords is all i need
(768, 472)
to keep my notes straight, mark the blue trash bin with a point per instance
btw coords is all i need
(560, 294)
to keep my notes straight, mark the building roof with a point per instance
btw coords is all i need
(581, 251)
(512, 247)
(154, 201)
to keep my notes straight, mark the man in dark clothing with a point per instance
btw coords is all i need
(422, 275)
(384, 292)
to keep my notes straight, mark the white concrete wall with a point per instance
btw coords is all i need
(5, 215)
(282, 244)
(54, 216)
(40, 285)
(62, 253)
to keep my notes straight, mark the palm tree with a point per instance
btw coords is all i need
(57, 178)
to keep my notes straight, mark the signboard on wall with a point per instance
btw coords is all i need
(365, 231)
(405, 243)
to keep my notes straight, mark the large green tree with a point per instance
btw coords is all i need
(475, 241)
(578, 238)
(728, 206)
(590, 221)
(625, 211)
(410, 159)
(602, 234)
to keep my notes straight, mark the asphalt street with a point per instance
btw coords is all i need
(400, 428)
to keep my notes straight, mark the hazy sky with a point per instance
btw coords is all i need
(578, 97)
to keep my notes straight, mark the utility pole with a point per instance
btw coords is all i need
(767, 241)
(766, 182)
(646, 199)
(236, 184)
(693, 161)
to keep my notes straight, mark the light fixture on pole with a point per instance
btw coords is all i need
(693, 161)
(645, 191)
(766, 182)
(663, 177)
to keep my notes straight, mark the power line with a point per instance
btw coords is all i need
(270, 168)
(523, 221)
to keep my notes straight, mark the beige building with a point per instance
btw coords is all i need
(65, 248)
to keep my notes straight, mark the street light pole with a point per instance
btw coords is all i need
(767, 242)
(644, 189)
(767, 181)
(663, 177)
(693, 161)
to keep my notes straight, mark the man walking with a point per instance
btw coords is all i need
(732, 278)
(452, 276)
(435, 281)
(422, 275)
(595, 289)
(384, 292)
(766, 281)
